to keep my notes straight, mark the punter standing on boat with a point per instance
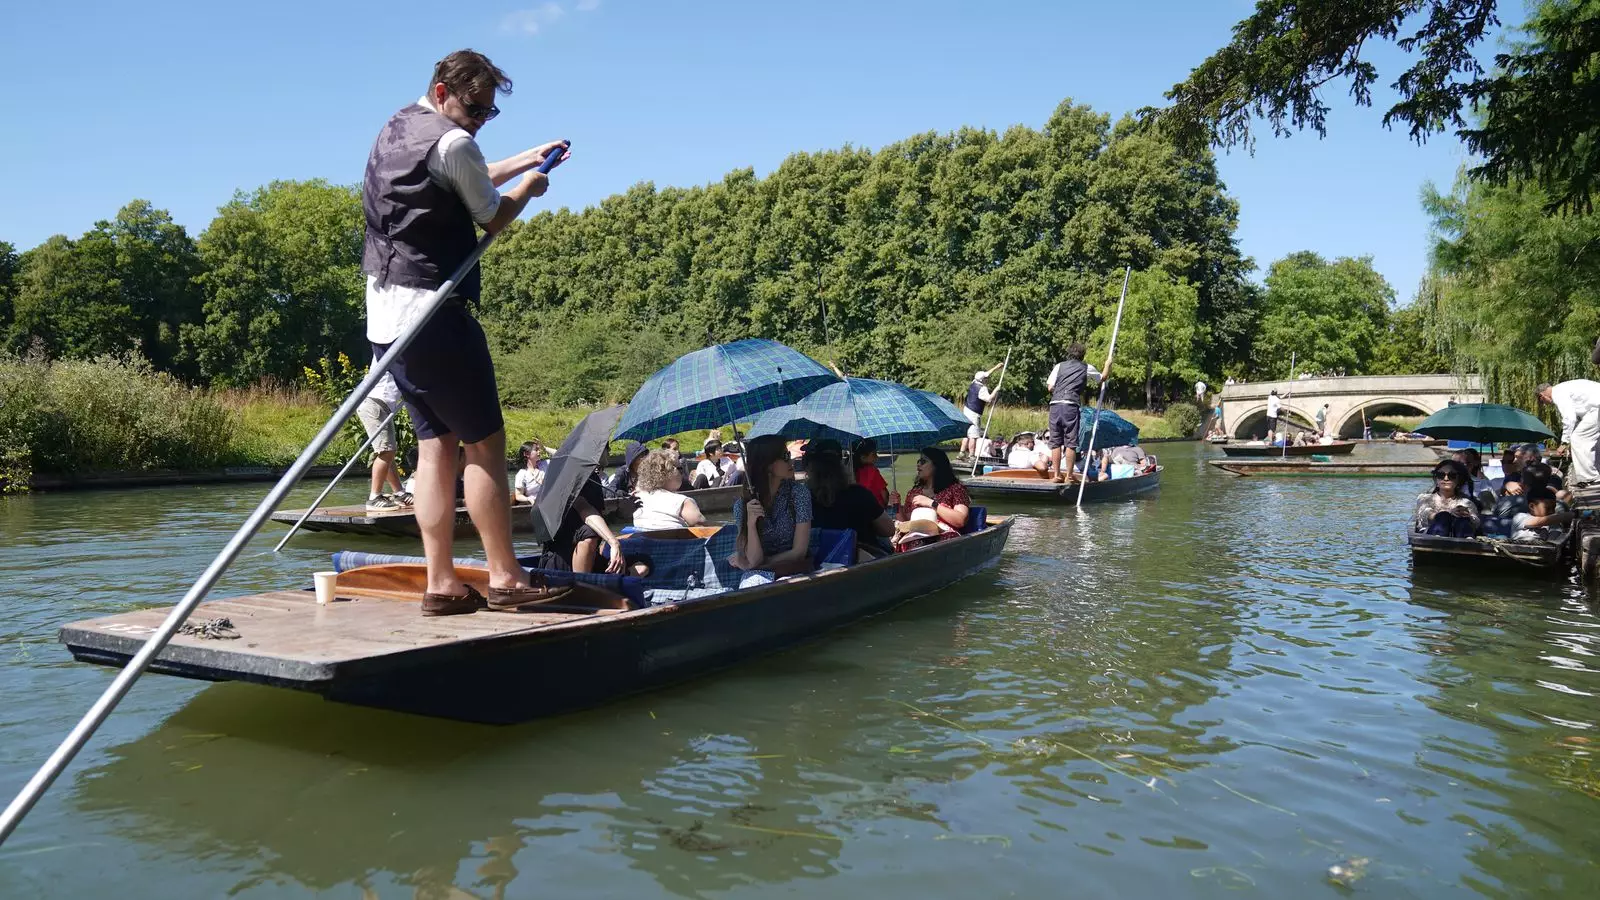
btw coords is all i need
(978, 398)
(1579, 403)
(426, 191)
(1272, 414)
(1066, 383)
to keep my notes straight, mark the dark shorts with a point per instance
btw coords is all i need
(447, 378)
(1064, 421)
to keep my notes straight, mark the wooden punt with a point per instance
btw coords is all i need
(1026, 485)
(1337, 448)
(1482, 553)
(370, 647)
(1318, 468)
(359, 520)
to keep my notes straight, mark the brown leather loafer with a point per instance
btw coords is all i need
(540, 591)
(452, 604)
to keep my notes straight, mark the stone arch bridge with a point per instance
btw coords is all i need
(1244, 406)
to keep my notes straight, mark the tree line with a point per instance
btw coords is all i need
(920, 262)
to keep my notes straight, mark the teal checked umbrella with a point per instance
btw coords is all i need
(1485, 423)
(719, 386)
(901, 419)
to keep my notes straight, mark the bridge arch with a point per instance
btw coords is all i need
(1252, 424)
(1351, 427)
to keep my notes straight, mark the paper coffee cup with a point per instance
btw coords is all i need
(325, 582)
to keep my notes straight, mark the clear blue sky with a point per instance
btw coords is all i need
(182, 102)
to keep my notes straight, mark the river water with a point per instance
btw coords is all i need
(1236, 687)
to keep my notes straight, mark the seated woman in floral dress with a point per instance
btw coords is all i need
(936, 507)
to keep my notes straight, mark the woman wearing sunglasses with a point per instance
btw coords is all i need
(1448, 510)
(937, 506)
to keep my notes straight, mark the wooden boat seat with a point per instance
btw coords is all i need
(407, 582)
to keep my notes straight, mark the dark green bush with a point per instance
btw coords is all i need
(109, 414)
(1183, 418)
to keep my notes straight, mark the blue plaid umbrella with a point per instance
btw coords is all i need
(901, 419)
(719, 386)
(1115, 431)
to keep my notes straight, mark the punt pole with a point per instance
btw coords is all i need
(342, 472)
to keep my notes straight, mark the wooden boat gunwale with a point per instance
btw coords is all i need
(1512, 556)
(1337, 448)
(1025, 484)
(1333, 468)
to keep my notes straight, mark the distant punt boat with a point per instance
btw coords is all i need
(1026, 485)
(1315, 467)
(1337, 448)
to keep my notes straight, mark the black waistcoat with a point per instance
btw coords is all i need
(418, 231)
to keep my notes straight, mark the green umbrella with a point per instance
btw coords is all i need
(1485, 423)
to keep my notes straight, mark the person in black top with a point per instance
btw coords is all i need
(838, 503)
(575, 547)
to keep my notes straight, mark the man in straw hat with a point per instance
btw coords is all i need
(978, 397)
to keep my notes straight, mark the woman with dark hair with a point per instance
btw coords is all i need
(865, 456)
(1448, 510)
(836, 503)
(774, 515)
(936, 506)
(530, 477)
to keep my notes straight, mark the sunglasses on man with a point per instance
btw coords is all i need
(478, 111)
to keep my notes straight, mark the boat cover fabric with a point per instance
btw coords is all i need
(690, 568)
(627, 585)
(1114, 431)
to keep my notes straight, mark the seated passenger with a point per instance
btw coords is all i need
(1448, 510)
(660, 506)
(620, 483)
(836, 503)
(1485, 490)
(774, 515)
(1542, 522)
(1122, 462)
(575, 547)
(709, 472)
(936, 506)
(530, 478)
(1025, 454)
(865, 456)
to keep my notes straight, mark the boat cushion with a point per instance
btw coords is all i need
(627, 585)
(833, 545)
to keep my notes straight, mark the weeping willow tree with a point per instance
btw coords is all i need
(1513, 292)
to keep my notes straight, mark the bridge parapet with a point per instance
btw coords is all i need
(1351, 400)
(1459, 386)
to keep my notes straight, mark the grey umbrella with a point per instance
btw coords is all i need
(580, 453)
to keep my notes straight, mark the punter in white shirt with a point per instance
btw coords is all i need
(1578, 401)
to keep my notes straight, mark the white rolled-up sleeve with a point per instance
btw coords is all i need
(462, 168)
